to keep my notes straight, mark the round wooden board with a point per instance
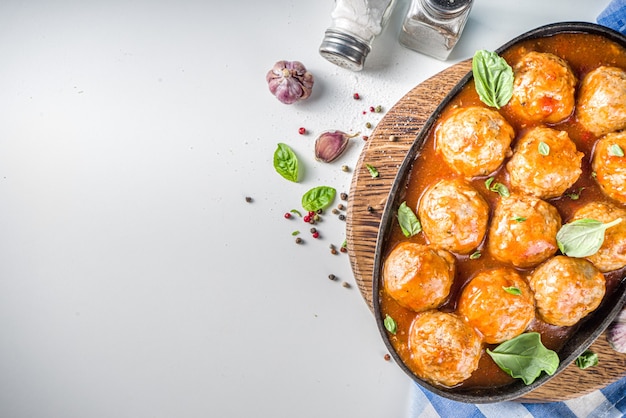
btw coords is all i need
(404, 120)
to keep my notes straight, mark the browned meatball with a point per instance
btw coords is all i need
(545, 163)
(612, 254)
(523, 230)
(544, 88)
(453, 215)
(567, 289)
(444, 349)
(498, 303)
(601, 104)
(474, 141)
(417, 276)
(609, 164)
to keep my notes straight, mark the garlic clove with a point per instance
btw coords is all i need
(330, 145)
(289, 81)
(616, 333)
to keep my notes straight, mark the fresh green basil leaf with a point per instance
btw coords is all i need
(519, 219)
(493, 78)
(390, 324)
(496, 187)
(587, 359)
(544, 149)
(286, 162)
(409, 223)
(512, 290)
(525, 357)
(373, 171)
(475, 255)
(616, 151)
(318, 198)
(583, 237)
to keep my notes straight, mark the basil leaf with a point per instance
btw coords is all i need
(409, 223)
(525, 357)
(512, 290)
(544, 149)
(390, 324)
(493, 78)
(587, 359)
(372, 170)
(518, 219)
(583, 237)
(616, 151)
(475, 255)
(318, 198)
(286, 162)
(499, 188)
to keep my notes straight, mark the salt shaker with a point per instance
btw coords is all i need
(433, 27)
(355, 25)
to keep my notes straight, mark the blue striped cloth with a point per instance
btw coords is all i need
(609, 402)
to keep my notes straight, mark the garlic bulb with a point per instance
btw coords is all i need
(289, 81)
(616, 333)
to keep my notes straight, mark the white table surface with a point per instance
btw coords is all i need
(135, 280)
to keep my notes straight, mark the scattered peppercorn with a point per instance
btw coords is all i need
(332, 277)
(365, 137)
(313, 230)
(378, 109)
(368, 125)
(335, 211)
(333, 251)
(341, 206)
(287, 215)
(346, 285)
(302, 131)
(345, 168)
(248, 199)
(370, 209)
(298, 240)
(317, 218)
(372, 109)
(342, 217)
(387, 357)
(356, 96)
(320, 211)
(344, 196)
(343, 249)
(315, 234)
(306, 218)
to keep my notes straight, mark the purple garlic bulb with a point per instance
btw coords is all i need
(289, 81)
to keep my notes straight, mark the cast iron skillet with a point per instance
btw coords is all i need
(591, 327)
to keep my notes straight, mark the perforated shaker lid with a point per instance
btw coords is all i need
(344, 50)
(449, 7)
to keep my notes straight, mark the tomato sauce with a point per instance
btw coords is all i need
(583, 52)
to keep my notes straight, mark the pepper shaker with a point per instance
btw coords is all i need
(433, 27)
(355, 24)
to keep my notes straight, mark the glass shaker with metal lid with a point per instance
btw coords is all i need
(355, 25)
(433, 27)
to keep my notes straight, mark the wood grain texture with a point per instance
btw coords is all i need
(368, 196)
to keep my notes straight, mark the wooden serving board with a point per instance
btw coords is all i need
(368, 196)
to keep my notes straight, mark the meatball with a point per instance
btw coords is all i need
(601, 104)
(444, 349)
(609, 164)
(453, 215)
(523, 231)
(544, 88)
(545, 163)
(498, 303)
(474, 141)
(417, 276)
(612, 254)
(566, 289)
